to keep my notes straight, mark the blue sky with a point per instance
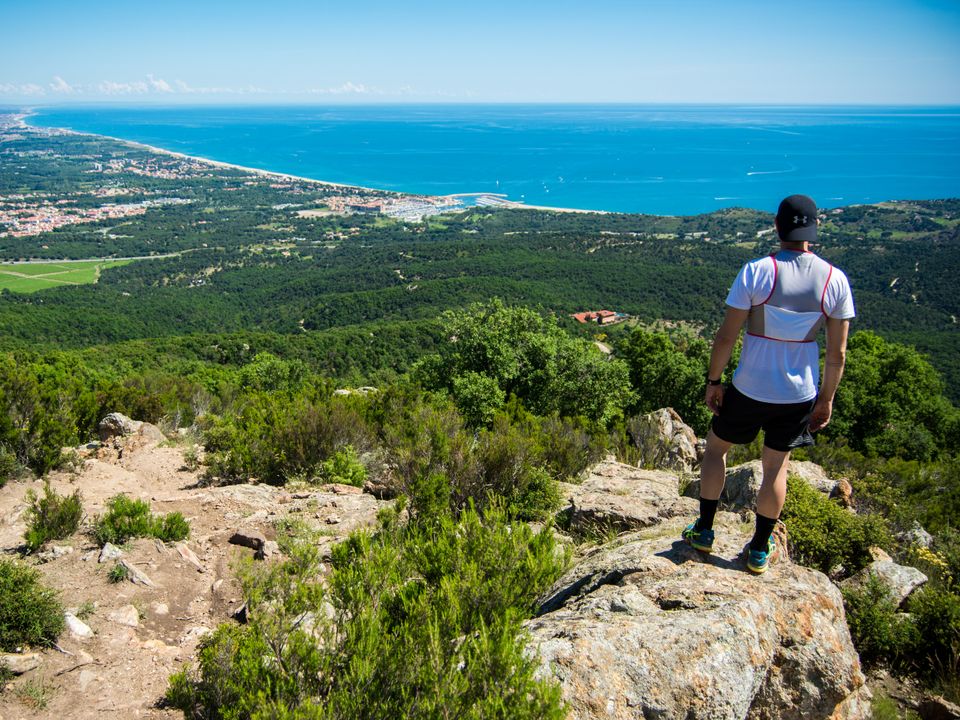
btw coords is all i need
(717, 51)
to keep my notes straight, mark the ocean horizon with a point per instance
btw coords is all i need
(658, 159)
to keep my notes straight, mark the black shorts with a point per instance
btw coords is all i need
(785, 426)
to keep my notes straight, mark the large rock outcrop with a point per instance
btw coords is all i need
(900, 580)
(649, 628)
(621, 497)
(120, 434)
(665, 442)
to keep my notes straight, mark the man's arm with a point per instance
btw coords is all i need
(836, 356)
(723, 343)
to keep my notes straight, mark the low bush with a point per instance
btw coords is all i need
(127, 518)
(418, 620)
(273, 437)
(118, 573)
(344, 467)
(824, 535)
(510, 471)
(9, 467)
(30, 613)
(879, 632)
(936, 615)
(52, 516)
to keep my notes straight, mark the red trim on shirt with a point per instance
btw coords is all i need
(823, 295)
(767, 337)
(773, 256)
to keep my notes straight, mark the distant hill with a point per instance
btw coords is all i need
(248, 261)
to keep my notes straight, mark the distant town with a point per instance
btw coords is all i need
(26, 214)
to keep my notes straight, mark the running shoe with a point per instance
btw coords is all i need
(759, 560)
(701, 540)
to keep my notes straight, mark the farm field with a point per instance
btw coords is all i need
(31, 277)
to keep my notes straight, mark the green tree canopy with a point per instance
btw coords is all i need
(494, 351)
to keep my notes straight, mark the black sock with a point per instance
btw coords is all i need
(708, 509)
(762, 535)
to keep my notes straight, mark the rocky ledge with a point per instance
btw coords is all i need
(646, 627)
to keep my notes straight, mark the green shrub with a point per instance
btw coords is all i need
(883, 707)
(344, 467)
(127, 518)
(30, 614)
(118, 573)
(936, 614)
(171, 527)
(273, 437)
(52, 517)
(879, 632)
(567, 447)
(419, 620)
(509, 471)
(9, 467)
(478, 397)
(824, 535)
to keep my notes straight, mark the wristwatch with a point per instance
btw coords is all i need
(713, 382)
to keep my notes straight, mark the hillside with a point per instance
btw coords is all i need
(248, 257)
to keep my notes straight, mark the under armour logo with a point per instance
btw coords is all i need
(799, 219)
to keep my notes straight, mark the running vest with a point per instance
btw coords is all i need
(793, 311)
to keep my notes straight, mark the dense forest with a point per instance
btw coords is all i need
(247, 262)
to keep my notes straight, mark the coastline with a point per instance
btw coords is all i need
(21, 120)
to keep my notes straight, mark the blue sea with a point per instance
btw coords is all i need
(674, 160)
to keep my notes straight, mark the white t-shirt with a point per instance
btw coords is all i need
(772, 370)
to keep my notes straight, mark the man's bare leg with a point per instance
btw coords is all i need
(770, 499)
(773, 490)
(713, 470)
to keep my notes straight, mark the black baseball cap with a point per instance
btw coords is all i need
(797, 219)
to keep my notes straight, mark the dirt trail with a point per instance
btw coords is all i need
(121, 672)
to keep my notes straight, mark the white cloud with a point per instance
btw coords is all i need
(109, 87)
(159, 84)
(59, 85)
(29, 89)
(347, 88)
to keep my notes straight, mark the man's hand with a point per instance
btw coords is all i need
(820, 415)
(714, 398)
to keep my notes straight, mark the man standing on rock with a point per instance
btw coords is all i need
(784, 299)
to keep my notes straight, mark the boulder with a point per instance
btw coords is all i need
(109, 552)
(665, 442)
(77, 627)
(622, 497)
(743, 482)
(843, 493)
(916, 536)
(189, 556)
(253, 539)
(135, 574)
(54, 552)
(119, 434)
(902, 580)
(126, 615)
(20, 663)
(649, 628)
(117, 425)
(381, 488)
(813, 474)
(938, 708)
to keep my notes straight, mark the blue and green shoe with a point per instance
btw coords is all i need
(759, 560)
(701, 540)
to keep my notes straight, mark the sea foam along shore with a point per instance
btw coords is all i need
(21, 120)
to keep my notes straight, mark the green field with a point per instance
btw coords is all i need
(30, 277)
